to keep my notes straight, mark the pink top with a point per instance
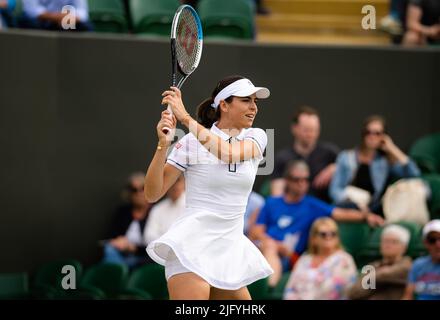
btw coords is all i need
(329, 281)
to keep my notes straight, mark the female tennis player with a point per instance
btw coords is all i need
(205, 253)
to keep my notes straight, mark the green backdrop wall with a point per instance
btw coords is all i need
(78, 115)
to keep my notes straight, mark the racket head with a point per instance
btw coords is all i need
(187, 35)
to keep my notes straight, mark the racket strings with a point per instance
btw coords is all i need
(188, 45)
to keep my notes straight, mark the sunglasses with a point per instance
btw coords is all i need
(327, 235)
(432, 239)
(373, 132)
(133, 189)
(298, 179)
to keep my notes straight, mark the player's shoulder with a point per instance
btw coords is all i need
(186, 139)
(254, 131)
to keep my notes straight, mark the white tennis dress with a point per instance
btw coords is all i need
(208, 238)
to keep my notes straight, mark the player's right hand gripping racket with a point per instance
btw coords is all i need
(186, 46)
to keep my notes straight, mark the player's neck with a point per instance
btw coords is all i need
(228, 127)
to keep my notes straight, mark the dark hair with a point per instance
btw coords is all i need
(304, 110)
(207, 115)
(373, 118)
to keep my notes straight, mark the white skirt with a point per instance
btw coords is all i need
(213, 246)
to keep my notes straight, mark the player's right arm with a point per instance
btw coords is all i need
(160, 175)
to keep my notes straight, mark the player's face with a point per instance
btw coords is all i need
(243, 110)
(373, 135)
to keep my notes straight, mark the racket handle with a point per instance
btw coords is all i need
(165, 130)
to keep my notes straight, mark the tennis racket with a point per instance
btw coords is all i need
(186, 46)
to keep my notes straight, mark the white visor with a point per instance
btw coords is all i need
(240, 88)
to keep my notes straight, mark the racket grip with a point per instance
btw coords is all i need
(165, 130)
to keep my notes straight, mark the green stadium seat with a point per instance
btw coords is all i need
(259, 289)
(152, 16)
(233, 19)
(14, 286)
(434, 204)
(147, 282)
(108, 16)
(265, 188)
(353, 236)
(426, 153)
(278, 291)
(47, 279)
(110, 278)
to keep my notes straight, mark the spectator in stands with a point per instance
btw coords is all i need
(391, 272)
(422, 22)
(362, 174)
(49, 15)
(255, 203)
(163, 214)
(283, 225)
(393, 22)
(6, 7)
(326, 271)
(126, 244)
(261, 8)
(424, 277)
(320, 156)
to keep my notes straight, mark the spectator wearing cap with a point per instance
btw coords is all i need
(424, 277)
(391, 272)
(49, 15)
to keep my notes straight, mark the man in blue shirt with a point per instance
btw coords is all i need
(424, 277)
(283, 225)
(48, 14)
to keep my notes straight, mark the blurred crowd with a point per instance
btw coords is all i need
(411, 22)
(315, 187)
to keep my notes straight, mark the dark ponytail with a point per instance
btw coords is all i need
(206, 114)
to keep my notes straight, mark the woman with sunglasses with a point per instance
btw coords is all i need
(326, 271)
(362, 174)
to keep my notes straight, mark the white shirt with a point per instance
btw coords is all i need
(211, 183)
(134, 234)
(162, 216)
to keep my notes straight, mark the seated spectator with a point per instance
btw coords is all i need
(326, 271)
(424, 277)
(44, 14)
(362, 174)
(319, 156)
(6, 8)
(422, 23)
(391, 273)
(283, 225)
(393, 22)
(255, 203)
(163, 214)
(126, 244)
